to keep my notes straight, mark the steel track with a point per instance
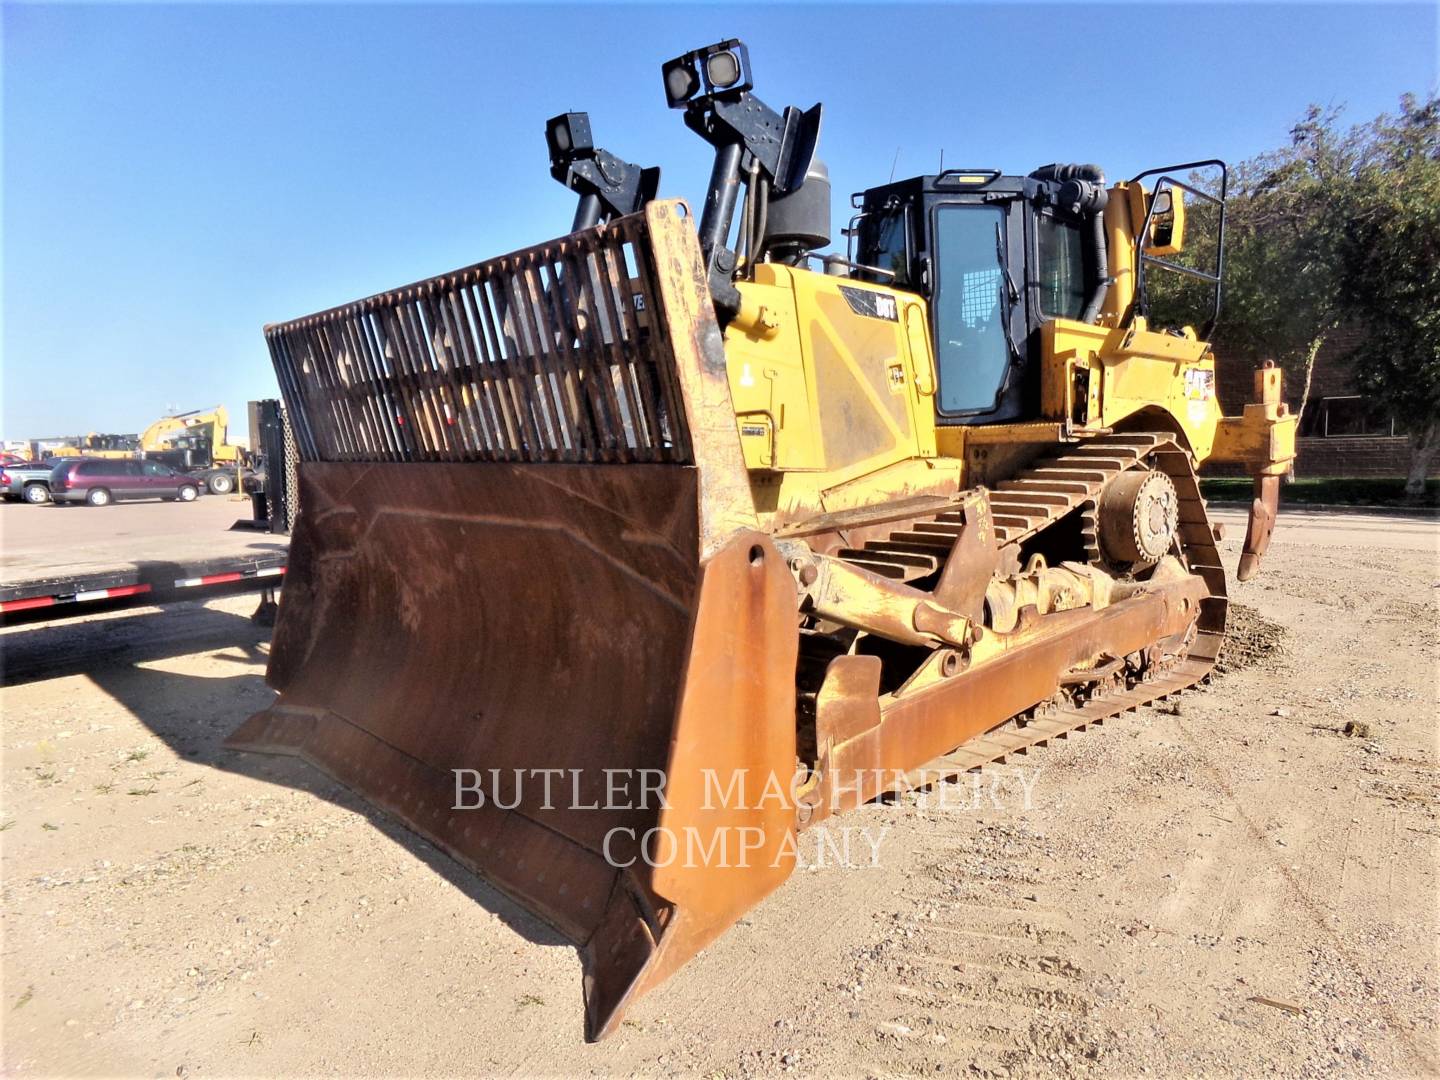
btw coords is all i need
(1036, 499)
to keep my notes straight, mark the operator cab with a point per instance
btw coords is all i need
(996, 257)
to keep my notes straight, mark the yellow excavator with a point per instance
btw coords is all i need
(198, 442)
(205, 430)
(626, 559)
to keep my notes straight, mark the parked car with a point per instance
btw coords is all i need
(216, 479)
(100, 482)
(29, 480)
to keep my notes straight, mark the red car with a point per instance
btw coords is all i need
(99, 482)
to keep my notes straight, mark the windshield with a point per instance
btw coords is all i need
(971, 347)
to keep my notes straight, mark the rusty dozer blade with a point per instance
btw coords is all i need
(526, 611)
(564, 647)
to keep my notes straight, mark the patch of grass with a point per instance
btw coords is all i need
(25, 997)
(139, 754)
(45, 776)
(141, 791)
(48, 827)
(526, 1000)
(1332, 491)
(104, 789)
(7, 824)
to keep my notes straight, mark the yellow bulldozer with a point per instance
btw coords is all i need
(626, 559)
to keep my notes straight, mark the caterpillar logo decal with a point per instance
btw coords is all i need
(875, 305)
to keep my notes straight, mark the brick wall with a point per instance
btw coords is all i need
(1331, 377)
(1365, 455)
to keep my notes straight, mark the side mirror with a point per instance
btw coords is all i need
(1167, 222)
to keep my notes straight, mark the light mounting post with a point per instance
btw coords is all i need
(608, 187)
(713, 86)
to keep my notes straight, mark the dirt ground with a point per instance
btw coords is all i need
(1230, 886)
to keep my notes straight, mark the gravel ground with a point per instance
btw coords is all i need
(1231, 884)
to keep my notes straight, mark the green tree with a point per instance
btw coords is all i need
(1340, 225)
(1386, 225)
(1281, 292)
(1282, 288)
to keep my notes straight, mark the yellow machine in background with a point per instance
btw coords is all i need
(627, 559)
(201, 436)
(96, 445)
(204, 430)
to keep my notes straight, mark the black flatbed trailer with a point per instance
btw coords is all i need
(143, 583)
(59, 563)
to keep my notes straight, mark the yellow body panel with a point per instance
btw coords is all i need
(833, 385)
(1125, 371)
(833, 382)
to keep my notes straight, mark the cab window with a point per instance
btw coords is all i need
(883, 245)
(1062, 268)
(972, 347)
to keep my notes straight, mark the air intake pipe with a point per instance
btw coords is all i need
(799, 221)
(1082, 192)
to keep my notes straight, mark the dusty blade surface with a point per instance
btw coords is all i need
(569, 632)
(547, 632)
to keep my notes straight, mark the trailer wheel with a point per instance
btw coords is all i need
(97, 497)
(37, 494)
(220, 483)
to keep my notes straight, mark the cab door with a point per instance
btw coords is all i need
(978, 311)
(158, 480)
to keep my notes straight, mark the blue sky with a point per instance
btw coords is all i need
(177, 176)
